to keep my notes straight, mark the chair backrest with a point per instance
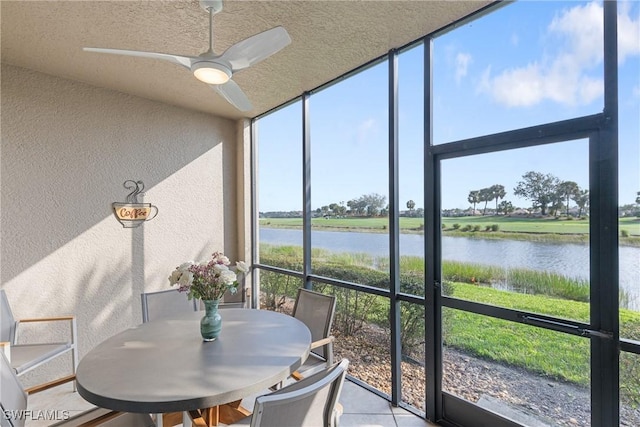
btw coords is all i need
(237, 299)
(13, 399)
(308, 402)
(315, 310)
(165, 305)
(7, 322)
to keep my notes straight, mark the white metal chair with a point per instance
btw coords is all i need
(13, 402)
(24, 357)
(310, 402)
(165, 304)
(316, 311)
(237, 299)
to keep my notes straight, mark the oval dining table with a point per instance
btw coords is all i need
(164, 366)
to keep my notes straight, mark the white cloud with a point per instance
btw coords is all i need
(628, 33)
(519, 87)
(564, 76)
(582, 28)
(462, 65)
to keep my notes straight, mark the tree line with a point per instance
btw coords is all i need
(551, 195)
(548, 194)
(370, 205)
(495, 192)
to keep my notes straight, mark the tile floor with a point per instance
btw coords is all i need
(361, 408)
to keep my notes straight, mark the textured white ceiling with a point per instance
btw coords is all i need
(329, 38)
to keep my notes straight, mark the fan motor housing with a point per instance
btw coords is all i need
(211, 6)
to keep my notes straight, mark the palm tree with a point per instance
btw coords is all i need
(498, 193)
(410, 205)
(486, 195)
(474, 197)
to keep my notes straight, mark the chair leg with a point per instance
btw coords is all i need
(209, 417)
(230, 413)
(169, 419)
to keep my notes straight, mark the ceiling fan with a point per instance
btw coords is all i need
(217, 70)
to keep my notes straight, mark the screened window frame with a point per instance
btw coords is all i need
(603, 330)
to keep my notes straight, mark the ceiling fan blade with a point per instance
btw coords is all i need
(184, 61)
(256, 48)
(232, 93)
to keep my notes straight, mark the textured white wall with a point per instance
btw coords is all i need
(66, 150)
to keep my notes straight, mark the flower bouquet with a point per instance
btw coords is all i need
(207, 280)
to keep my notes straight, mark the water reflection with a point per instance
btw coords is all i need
(568, 259)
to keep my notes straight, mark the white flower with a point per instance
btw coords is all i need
(220, 268)
(242, 267)
(186, 279)
(175, 276)
(228, 277)
(185, 266)
(207, 280)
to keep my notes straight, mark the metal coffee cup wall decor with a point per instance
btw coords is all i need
(133, 213)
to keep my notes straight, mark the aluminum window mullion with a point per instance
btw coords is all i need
(432, 303)
(306, 191)
(255, 284)
(603, 228)
(549, 133)
(394, 233)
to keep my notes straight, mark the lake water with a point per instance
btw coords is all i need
(564, 258)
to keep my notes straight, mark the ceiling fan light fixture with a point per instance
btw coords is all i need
(211, 72)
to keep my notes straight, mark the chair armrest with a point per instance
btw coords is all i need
(46, 319)
(324, 341)
(328, 342)
(46, 386)
(71, 319)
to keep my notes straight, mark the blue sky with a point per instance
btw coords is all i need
(526, 64)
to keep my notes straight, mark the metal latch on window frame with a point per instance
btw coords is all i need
(561, 325)
(598, 334)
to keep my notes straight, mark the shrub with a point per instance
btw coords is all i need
(353, 308)
(495, 227)
(624, 233)
(275, 287)
(476, 228)
(487, 228)
(456, 226)
(466, 228)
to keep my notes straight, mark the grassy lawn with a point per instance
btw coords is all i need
(555, 354)
(541, 229)
(509, 224)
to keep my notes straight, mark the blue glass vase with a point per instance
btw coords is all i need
(211, 323)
